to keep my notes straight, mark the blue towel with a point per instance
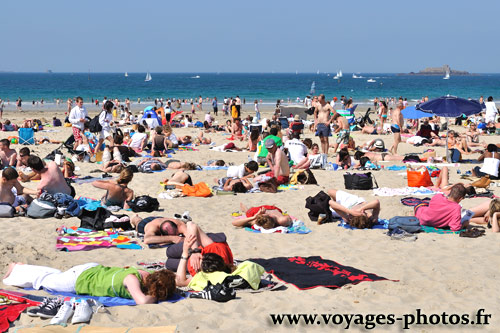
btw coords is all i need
(214, 167)
(381, 224)
(298, 227)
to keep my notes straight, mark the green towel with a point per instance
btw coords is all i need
(433, 230)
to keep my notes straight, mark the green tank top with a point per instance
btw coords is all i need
(105, 281)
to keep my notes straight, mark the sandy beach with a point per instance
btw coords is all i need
(437, 273)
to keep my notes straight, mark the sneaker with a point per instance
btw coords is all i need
(51, 309)
(64, 313)
(33, 312)
(83, 312)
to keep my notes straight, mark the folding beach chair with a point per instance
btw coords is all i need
(26, 136)
(284, 122)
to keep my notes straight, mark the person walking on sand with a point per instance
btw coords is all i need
(19, 104)
(69, 103)
(322, 120)
(77, 117)
(214, 106)
(397, 125)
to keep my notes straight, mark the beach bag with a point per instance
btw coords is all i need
(197, 190)
(269, 186)
(407, 223)
(359, 181)
(94, 125)
(39, 209)
(144, 203)
(319, 204)
(6, 210)
(454, 155)
(418, 178)
(96, 220)
(304, 177)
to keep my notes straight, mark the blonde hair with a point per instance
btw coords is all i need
(125, 177)
(494, 206)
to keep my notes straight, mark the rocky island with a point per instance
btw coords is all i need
(439, 71)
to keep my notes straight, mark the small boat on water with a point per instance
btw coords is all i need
(354, 76)
(371, 80)
(338, 76)
(126, 74)
(148, 77)
(313, 88)
(447, 75)
(195, 77)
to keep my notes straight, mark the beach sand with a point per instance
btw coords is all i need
(436, 273)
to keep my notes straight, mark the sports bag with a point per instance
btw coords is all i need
(6, 210)
(94, 125)
(39, 209)
(319, 204)
(359, 181)
(144, 203)
(303, 177)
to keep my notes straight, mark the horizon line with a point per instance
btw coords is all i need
(217, 72)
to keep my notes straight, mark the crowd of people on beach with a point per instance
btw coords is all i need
(126, 144)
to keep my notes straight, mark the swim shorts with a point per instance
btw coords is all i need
(142, 224)
(280, 179)
(77, 133)
(323, 130)
(395, 129)
(343, 137)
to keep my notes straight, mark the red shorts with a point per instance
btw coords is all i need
(280, 180)
(77, 133)
(221, 249)
(254, 210)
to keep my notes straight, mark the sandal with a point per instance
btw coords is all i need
(472, 233)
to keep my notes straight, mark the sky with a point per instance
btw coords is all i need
(249, 36)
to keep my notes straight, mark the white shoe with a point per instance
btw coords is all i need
(64, 313)
(83, 312)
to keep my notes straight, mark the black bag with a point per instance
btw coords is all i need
(359, 181)
(95, 220)
(319, 204)
(94, 125)
(144, 203)
(307, 177)
(411, 158)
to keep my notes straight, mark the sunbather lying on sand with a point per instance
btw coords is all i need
(95, 280)
(159, 230)
(179, 179)
(237, 185)
(267, 217)
(353, 209)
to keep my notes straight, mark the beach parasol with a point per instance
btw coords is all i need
(450, 106)
(411, 112)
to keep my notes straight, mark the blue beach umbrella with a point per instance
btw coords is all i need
(411, 112)
(450, 106)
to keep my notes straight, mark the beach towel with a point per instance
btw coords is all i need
(9, 313)
(213, 167)
(412, 201)
(297, 227)
(312, 272)
(197, 190)
(381, 224)
(80, 239)
(432, 230)
(186, 148)
(390, 192)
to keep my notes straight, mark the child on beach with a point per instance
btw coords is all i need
(12, 192)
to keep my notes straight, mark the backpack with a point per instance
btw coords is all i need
(407, 223)
(94, 125)
(359, 181)
(6, 210)
(319, 204)
(303, 177)
(96, 220)
(144, 203)
(39, 209)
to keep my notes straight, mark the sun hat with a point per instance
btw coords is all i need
(379, 143)
(297, 117)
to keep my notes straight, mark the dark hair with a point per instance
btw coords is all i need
(361, 222)
(265, 135)
(118, 139)
(265, 221)
(172, 224)
(5, 142)
(314, 145)
(108, 106)
(296, 135)
(158, 129)
(25, 151)
(490, 99)
(492, 148)
(79, 99)
(141, 129)
(308, 143)
(274, 131)
(254, 134)
(220, 163)
(358, 155)
(363, 160)
(457, 192)
(238, 187)
(212, 262)
(343, 153)
(35, 163)
(10, 173)
(252, 165)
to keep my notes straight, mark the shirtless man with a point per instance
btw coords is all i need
(160, 230)
(236, 129)
(343, 130)
(322, 122)
(396, 127)
(8, 156)
(8, 182)
(278, 162)
(52, 179)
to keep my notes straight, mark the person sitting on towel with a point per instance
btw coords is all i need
(51, 177)
(11, 191)
(353, 209)
(267, 217)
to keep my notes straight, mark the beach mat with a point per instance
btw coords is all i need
(81, 239)
(312, 272)
(381, 224)
(297, 227)
(93, 329)
(432, 230)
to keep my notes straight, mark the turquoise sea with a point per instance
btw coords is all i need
(262, 86)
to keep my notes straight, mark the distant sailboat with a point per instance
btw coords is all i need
(148, 77)
(338, 76)
(126, 74)
(317, 72)
(354, 76)
(447, 76)
(340, 73)
(313, 88)
(296, 72)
